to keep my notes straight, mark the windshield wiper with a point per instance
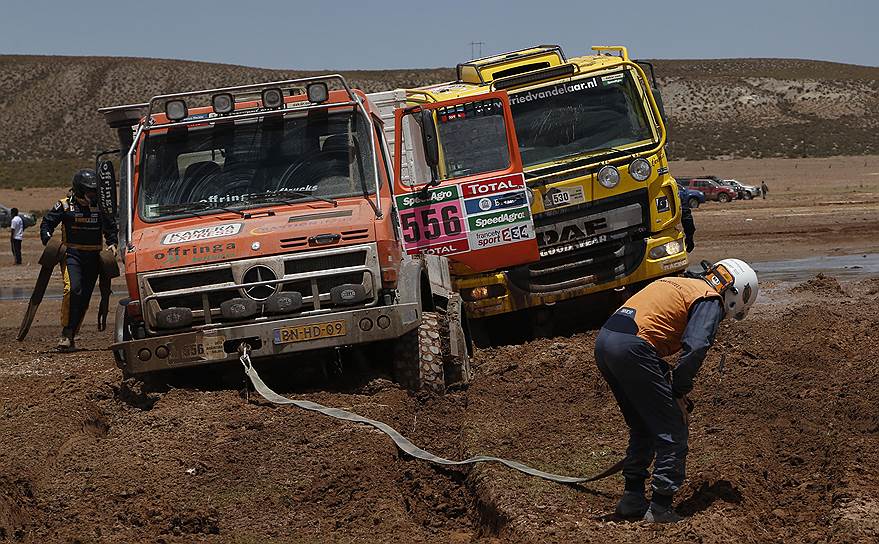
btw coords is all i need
(191, 207)
(280, 196)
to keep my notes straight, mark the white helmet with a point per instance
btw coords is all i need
(740, 296)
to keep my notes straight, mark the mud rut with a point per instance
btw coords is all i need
(783, 445)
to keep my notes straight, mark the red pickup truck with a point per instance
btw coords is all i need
(712, 189)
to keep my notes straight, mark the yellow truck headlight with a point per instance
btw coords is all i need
(666, 249)
(640, 169)
(609, 176)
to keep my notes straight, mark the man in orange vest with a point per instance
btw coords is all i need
(669, 315)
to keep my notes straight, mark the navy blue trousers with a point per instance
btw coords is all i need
(80, 270)
(641, 384)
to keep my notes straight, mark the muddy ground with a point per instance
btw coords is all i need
(782, 446)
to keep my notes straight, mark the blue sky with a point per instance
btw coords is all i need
(381, 34)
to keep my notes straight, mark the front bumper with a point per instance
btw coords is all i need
(515, 298)
(193, 348)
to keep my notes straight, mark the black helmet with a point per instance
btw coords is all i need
(83, 181)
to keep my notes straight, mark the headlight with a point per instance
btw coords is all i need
(669, 248)
(609, 176)
(640, 169)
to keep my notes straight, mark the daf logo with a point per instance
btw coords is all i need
(256, 274)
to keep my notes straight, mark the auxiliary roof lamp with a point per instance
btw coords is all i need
(272, 98)
(175, 110)
(317, 92)
(223, 103)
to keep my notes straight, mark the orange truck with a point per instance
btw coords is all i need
(266, 215)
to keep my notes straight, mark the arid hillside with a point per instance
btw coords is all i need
(717, 108)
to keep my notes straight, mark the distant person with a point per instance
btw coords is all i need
(16, 234)
(82, 226)
(764, 189)
(668, 316)
(687, 222)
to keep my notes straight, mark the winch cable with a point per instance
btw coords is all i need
(401, 441)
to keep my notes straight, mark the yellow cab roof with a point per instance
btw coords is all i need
(475, 77)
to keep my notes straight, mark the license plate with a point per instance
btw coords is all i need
(208, 348)
(305, 333)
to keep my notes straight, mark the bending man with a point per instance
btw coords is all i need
(668, 316)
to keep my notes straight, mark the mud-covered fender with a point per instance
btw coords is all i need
(409, 286)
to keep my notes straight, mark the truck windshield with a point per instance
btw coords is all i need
(313, 155)
(564, 120)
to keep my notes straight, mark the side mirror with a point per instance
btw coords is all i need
(106, 187)
(657, 95)
(429, 139)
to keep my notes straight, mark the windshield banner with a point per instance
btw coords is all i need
(490, 218)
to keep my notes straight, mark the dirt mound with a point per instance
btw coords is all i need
(821, 284)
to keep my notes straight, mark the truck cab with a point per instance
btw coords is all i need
(263, 215)
(590, 137)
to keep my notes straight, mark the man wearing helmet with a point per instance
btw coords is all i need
(670, 315)
(83, 225)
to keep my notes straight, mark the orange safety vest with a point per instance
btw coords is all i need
(662, 309)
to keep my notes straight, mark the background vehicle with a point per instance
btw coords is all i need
(267, 218)
(692, 197)
(746, 192)
(605, 208)
(6, 217)
(712, 189)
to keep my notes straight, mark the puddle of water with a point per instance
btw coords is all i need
(24, 293)
(53, 293)
(838, 266)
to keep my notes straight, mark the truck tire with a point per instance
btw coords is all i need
(723, 198)
(693, 202)
(456, 355)
(418, 356)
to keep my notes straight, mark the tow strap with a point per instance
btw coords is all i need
(401, 441)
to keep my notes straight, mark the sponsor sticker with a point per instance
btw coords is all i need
(674, 264)
(498, 218)
(435, 196)
(450, 248)
(192, 235)
(496, 202)
(613, 79)
(493, 186)
(501, 235)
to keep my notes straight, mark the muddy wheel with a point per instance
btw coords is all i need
(456, 355)
(723, 197)
(418, 356)
(693, 203)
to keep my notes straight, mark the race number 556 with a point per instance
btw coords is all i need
(433, 223)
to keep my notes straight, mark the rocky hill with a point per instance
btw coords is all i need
(717, 108)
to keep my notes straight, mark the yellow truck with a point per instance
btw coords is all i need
(591, 138)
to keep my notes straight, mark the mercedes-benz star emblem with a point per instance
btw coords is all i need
(256, 274)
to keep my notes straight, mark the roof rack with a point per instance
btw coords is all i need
(133, 114)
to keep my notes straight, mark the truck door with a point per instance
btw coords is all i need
(459, 186)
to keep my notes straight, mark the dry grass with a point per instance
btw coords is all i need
(717, 108)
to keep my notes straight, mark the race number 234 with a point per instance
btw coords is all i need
(432, 223)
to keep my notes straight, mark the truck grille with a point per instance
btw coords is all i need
(589, 244)
(313, 274)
